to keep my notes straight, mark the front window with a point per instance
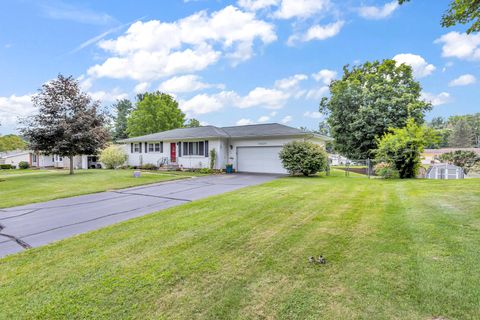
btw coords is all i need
(136, 147)
(196, 148)
(150, 147)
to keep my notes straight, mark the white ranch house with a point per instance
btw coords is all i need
(38, 160)
(250, 148)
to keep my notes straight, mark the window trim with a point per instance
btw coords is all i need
(194, 148)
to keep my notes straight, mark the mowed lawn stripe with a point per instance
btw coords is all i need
(243, 255)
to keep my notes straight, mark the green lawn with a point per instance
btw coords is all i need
(19, 187)
(395, 250)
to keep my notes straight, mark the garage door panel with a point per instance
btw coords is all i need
(259, 159)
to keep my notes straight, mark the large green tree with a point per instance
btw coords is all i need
(192, 123)
(68, 122)
(367, 101)
(461, 12)
(462, 135)
(122, 111)
(154, 112)
(12, 142)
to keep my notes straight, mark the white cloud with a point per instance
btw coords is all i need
(437, 99)
(254, 5)
(263, 119)
(141, 87)
(204, 103)
(290, 82)
(312, 114)
(326, 76)
(186, 83)
(244, 122)
(14, 107)
(286, 119)
(108, 96)
(375, 13)
(317, 94)
(460, 45)
(264, 97)
(463, 80)
(317, 32)
(154, 49)
(301, 8)
(420, 67)
(62, 11)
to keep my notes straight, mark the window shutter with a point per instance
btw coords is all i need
(179, 149)
(140, 147)
(161, 146)
(131, 147)
(206, 148)
(146, 147)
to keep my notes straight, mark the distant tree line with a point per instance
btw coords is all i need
(457, 131)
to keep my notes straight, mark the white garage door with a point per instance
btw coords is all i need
(259, 159)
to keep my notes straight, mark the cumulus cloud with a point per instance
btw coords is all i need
(108, 96)
(300, 8)
(290, 82)
(437, 99)
(263, 119)
(254, 5)
(376, 13)
(264, 97)
(187, 83)
(463, 80)
(460, 45)
(286, 119)
(317, 93)
(317, 32)
(154, 49)
(244, 122)
(312, 114)
(326, 76)
(141, 87)
(14, 107)
(204, 103)
(421, 68)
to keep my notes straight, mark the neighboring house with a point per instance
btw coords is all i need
(337, 160)
(47, 161)
(250, 148)
(430, 156)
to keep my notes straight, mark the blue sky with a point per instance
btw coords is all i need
(229, 62)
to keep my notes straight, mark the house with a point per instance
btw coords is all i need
(249, 148)
(430, 156)
(444, 171)
(39, 160)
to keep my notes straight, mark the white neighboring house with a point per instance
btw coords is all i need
(39, 160)
(250, 148)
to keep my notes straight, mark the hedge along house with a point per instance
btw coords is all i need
(250, 148)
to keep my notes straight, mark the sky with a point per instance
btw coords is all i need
(230, 62)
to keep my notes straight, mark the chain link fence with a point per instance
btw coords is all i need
(361, 168)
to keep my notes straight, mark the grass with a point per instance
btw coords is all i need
(404, 249)
(18, 187)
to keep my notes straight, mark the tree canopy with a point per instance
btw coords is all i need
(12, 142)
(369, 100)
(123, 108)
(68, 122)
(461, 12)
(192, 123)
(458, 131)
(154, 112)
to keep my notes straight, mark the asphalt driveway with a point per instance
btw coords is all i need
(41, 223)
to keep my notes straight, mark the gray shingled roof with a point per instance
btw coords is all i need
(255, 130)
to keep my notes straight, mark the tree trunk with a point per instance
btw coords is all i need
(71, 164)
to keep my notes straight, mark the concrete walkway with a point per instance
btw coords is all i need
(41, 223)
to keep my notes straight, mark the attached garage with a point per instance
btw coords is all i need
(261, 159)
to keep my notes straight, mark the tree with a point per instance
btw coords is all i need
(113, 157)
(464, 159)
(473, 121)
(462, 135)
(155, 112)
(367, 101)
(12, 142)
(401, 148)
(461, 11)
(303, 157)
(123, 109)
(192, 123)
(68, 122)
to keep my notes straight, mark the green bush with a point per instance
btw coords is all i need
(148, 166)
(206, 171)
(386, 171)
(464, 159)
(303, 157)
(23, 165)
(6, 166)
(113, 157)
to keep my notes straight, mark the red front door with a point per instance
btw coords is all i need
(173, 152)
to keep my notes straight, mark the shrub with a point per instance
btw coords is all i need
(386, 171)
(23, 165)
(148, 166)
(213, 158)
(464, 159)
(303, 157)
(6, 166)
(206, 170)
(113, 157)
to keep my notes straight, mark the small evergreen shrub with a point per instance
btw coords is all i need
(6, 166)
(148, 166)
(23, 165)
(303, 157)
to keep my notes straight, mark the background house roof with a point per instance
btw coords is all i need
(254, 130)
(14, 153)
(447, 150)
